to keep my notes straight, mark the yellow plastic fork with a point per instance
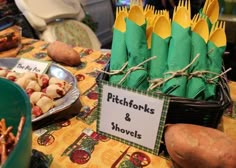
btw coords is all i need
(218, 25)
(136, 15)
(161, 13)
(138, 3)
(213, 11)
(206, 5)
(162, 27)
(185, 4)
(200, 26)
(194, 20)
(217, 35)
(149, 10)
(150, 21)
(120, 24)
(121, 9)
(182, 13)
(196, 17)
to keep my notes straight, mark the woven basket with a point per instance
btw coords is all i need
(191, 111)
(199, 112)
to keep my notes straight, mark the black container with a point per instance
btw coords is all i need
(191, 111)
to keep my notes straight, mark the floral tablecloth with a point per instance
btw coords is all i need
(74, 142)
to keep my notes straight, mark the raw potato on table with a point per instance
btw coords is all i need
(199, 147)
(63, 53)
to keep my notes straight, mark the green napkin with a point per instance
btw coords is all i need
(196, 85)
(137, 53)
(118, 55)
(215, 63)
(159, 48)
(178, 58)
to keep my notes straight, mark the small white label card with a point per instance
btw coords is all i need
(133, 117)
(31, 65)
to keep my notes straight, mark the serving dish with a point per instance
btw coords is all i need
(57, 71)
(15, 105)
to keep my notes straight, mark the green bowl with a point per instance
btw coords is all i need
(14, 103)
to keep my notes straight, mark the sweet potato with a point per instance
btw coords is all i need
(63, 53)
(199, 147)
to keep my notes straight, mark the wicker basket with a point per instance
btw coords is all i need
(199, 112)
(191, 111)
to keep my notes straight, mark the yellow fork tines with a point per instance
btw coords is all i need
(183, 7)
(174, 12)
(185, 4)
(181, 4)
(206, 4)
(162, 13)
(194, 20)
(217, 34)
(162, 26)
(218, 25)
(136, 2)
(222, 25)
(146, 8)
(189, 7)
(213, 11)
(199, 26)
(118, 9)
(136, 15)
(158, 14)
(149, 11)
(167, 14)
(151, 21)
(121, 9)
(149, 8)
(213, 28)
(119, 23)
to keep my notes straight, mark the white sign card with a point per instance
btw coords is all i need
(133, 117)
(30, 65)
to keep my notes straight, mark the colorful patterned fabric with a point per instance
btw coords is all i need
(74, 142)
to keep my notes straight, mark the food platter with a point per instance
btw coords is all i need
(59, 72)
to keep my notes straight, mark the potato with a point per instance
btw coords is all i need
(63, 53)
(199, 147)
